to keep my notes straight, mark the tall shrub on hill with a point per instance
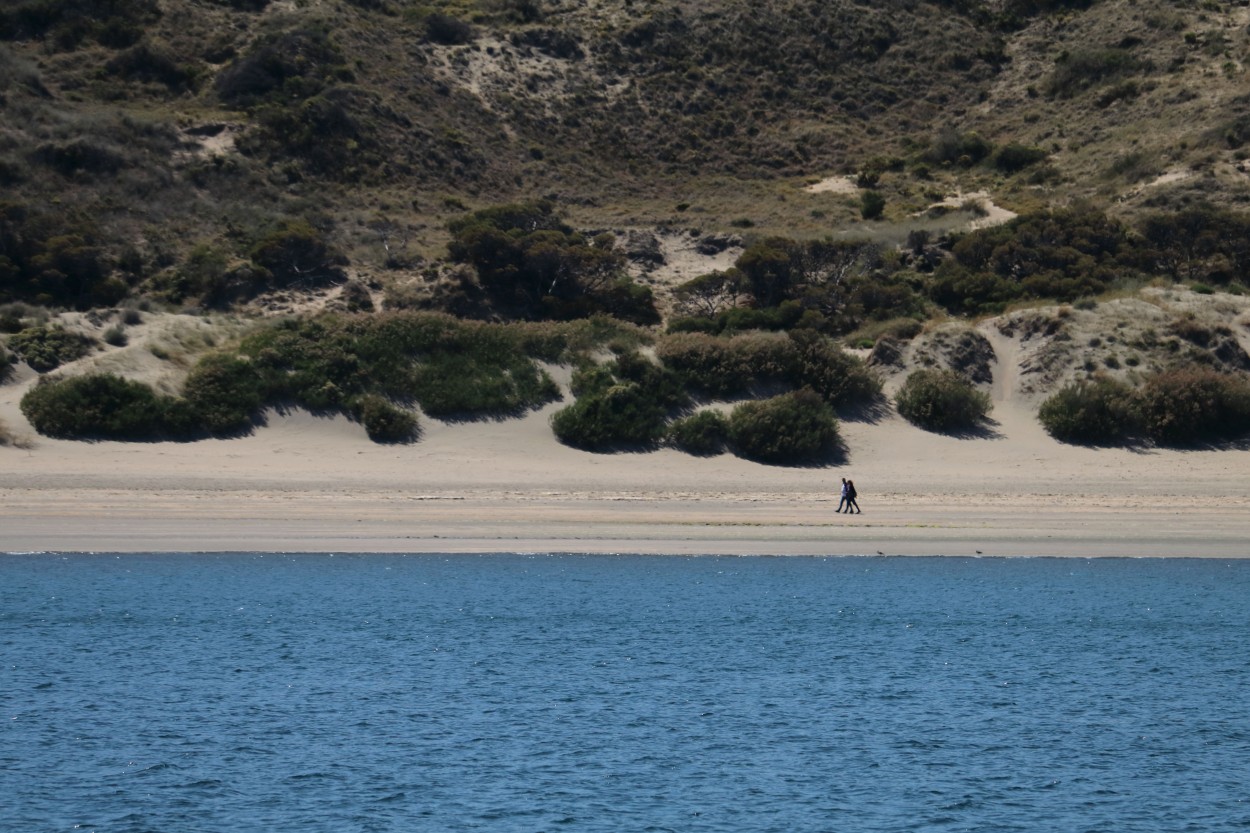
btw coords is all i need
(1057, 254)
(532, 265)
(54, 259)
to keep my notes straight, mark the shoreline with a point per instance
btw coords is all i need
(312, 484)
(191, 521)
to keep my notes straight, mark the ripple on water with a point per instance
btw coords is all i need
(234, 692)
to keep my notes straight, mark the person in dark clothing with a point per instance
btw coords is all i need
(851, 494)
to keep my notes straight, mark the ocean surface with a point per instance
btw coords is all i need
(178, 693)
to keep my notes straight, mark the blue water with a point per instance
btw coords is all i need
(580, 693)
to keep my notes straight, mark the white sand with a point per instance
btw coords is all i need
(319, 485)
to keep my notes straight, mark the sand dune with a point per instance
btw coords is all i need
(304, 483)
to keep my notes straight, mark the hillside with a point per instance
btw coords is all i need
(185, 120)
(263, 158)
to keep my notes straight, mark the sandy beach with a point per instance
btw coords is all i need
(308, 484)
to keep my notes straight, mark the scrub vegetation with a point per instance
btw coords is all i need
(423, 207)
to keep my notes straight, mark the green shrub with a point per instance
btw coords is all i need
(223, 393)
(449, 31)
(796, 427)
(385, 422)
(871, 205)
(622, 404)
(941, 400)
(1099, 411)
(1014, 157)
(292, 66)
(154, 62)
(532, 265)
(47, 348)
(703, 434)
(1078, 71)
(1195, 404)
(116, 336)
(841, 379)
(297, 253)
(623, 416)
(98, 406)
(726, 367)
(66, 24)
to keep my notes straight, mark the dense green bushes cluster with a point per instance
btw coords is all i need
(1065, 254)
(1095, 411)
(48, 347)
(832, 286)
(534, 266)
(1060, 254)
(702, 434)
(795, 427)
(100, 407)
(451, 368)
(68, 23)
(739, 366)
(623, 404)
(942, 400)
(365, 366)
(55, 259)
(633, 403)
(1177, 407)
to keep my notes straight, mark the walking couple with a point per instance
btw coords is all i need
(848, 497)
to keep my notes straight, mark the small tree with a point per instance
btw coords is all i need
(871, 205)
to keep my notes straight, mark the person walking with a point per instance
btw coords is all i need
(842, 502)
(851, 494)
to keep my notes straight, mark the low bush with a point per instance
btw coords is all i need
(291, 65)
(941, 400)
(1101, 411)
(297, 253)
(1194, 404)
(795, 427)
(703, 434)
(47, 348)
(116, 336)
(871, 205)
(622, 416)
(96, 407)
(728, 367)
(620, 405)
(841, 379)
(223, 393)
(1014, 157)
(384, 421)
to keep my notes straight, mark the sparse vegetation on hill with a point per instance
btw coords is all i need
(840, 167)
